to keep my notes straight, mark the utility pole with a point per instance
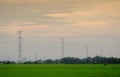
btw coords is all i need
(110, 53)
(19, 47)
(35, 56)
(86, 51)
(101, 52)
(62, 40)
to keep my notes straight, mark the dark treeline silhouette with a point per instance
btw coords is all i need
(7, 62)
(72, 60)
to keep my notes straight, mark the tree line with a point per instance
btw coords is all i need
(72, 60)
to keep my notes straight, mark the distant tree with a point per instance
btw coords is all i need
(7, 62)
(73, 60)
(57, 61)
(70, 60)
(49, 61)
(38, 62)
(29, 62)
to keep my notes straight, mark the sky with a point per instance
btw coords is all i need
(95, 23)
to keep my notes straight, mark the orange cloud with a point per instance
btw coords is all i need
(72, 14)
(20, 1)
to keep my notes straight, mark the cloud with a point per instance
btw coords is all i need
(57, 12)
(29, 19)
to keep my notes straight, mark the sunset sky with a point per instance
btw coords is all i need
(95, 23)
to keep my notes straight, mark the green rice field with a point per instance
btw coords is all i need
(59, 70)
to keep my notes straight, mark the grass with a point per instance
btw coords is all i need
(59, 70)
